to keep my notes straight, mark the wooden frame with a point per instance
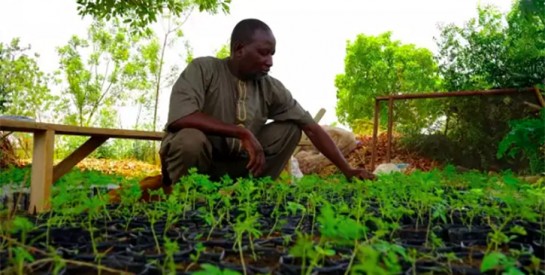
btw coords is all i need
(43, 172)
(392, 98)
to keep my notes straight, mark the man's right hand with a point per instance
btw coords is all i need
(255, 152)
(214, 126)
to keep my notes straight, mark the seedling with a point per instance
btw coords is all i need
(199, 248)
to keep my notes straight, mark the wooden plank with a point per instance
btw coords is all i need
(539, 97)
(30, 126)
(456, 94)
(390, 126)
(533, 106)
(375, 133)
(83, 151)
(42, 171)
(319, 115)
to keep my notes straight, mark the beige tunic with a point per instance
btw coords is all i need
(207, 85)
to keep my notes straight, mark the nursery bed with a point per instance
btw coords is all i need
(438, 222)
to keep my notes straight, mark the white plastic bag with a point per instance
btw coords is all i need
(295, 171)
(387, 168)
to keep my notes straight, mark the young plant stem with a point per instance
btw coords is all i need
(428, 228)
(273, 228)
(152, 222)
(276, 213)
(313, 219)
(90, 227)
(300, 221)
(214, 225)
(352, 257)
(48, 231)
(157, 247)
(315, 260)
(239, 245)
(250, 239)
(67, 261)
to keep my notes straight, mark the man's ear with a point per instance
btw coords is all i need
(238, 49)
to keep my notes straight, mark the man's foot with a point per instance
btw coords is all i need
(147, 184)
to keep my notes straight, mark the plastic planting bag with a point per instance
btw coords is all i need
(387, 168)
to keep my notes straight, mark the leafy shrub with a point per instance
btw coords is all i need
(527, 136)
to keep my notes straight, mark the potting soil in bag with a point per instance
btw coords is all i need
(312, 161)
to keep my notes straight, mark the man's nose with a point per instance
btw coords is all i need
(269, 61)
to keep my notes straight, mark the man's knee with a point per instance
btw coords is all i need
(294, 129)
(183, 150)
(188, 143)
(278, 136)
(293, 134)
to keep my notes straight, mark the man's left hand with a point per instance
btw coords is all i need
(359, 173)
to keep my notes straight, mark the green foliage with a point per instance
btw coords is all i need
(378, 66)
(224, 51)
(533, 9)
(471, 56)
(341, 229)
(496, 260)
(23, 86)
(16, 176)
(21, 224)
(98, 83)
(488, 52)
(140, 14)
(153, 58)
(362, 223)
(527, 136)
(111, 68)
(209, 269)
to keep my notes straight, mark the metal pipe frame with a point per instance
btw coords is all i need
(392, 98)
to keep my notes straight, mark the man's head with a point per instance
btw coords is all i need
(252, 47)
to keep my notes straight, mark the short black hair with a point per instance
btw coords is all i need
(245, 29)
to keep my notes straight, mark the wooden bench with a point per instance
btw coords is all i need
(43, 172)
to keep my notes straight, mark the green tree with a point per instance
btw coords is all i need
(23, 86)
(378, 66)
(471, 57)
(152, 59)
(525, 46)
(155, 57)
(140, 14)
(486, 53)
(224, 51)
(533, 9)
(99, 82)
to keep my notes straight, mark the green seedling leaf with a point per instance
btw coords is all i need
(514, 271)
(23, 255)
(209, 269)
(21, 224)
(492, 261)
(519, 230)
(326, 252)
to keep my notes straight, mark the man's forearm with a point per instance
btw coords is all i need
(323, 142)
(207, 125)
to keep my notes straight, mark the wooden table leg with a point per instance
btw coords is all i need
(375, 134)
(42, 171)
(83, 151)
